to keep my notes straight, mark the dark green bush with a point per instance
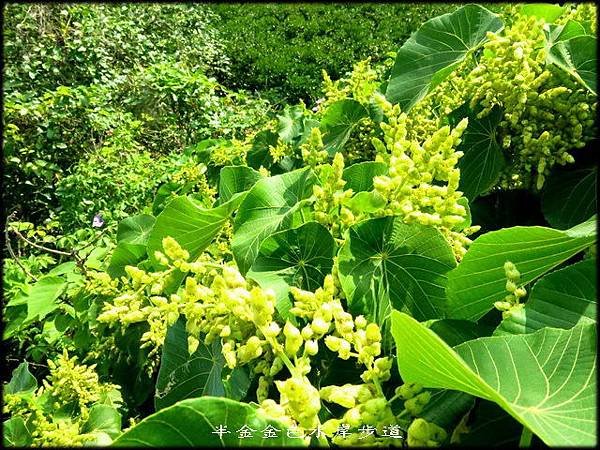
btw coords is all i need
(280, 49)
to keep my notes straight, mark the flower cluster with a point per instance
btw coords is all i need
(330, 197)
(511, 302)
(546, 112)
(313, 150)
(70, 387)
(360, 85)
(281, 150)
(409, 187)
(422, 183)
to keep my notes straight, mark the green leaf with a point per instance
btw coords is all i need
(544, 11)
(290, 126)
(479, 280)
(103, 418)
(123, 255)
(366, 202)
(22, 380)
(237, 383)
(136, 229)
(191, 225)
(359, 176)
(446, 408)
(561, 299)
(182, 375)
(406, 262)
(557, 33)
(545, 380)
(338, 121)
(483, 158)
(577, 57)
(299, 257)
(439, 43)
(132, 238)
(490, 426)
(235, 179)
(259, 154)
(15, 433)
(164, 194)
(268, 207)
(193, 422)
(42, 297)
(569, 196)
(454, 331)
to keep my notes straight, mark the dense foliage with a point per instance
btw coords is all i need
(281, 49)
(407, 260)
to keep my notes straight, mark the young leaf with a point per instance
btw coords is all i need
(483, 159)
(15, 433)
(479, 280)
(577, 57)
(408, 262)
(22, 380)
(192, 226)
(359, 176)
(440, 43)
(299, 257)
(545, 380)
(543, 11)
(561, 299)
(268, 207)
(338, 121)
(193, 422)
(103, 418)
(42, 296)
(182, 375)
(132, 237)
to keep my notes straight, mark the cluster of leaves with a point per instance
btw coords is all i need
(316, 277)
(281, 49)
(52, 45)
(160, 102)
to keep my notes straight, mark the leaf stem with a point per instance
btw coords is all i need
(526, 436)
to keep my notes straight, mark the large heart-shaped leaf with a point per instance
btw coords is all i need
(479, 280)
(569, 196)
(408, 263)
(546, 380)
(435, 48)
(577, 57)
(182, 375)
(299, 257)
(268, 207)
(561, 299)
(338, 121)
(196, 423)
(483, 159)
(191, 225)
